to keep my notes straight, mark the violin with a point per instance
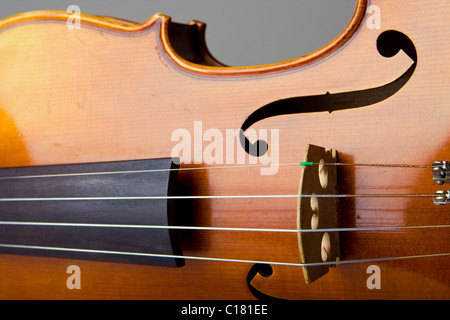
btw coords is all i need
(135, 165)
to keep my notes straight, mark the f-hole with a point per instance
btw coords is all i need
(389, 43)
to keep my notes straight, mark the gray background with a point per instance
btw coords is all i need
(239, 32)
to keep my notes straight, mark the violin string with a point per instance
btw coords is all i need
(203, 197)
(213, 168)
(19, 223)
(372, 165)
(171, 256)
(269, 196)
(199, 228)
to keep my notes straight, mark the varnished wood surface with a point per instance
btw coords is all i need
(115, 90)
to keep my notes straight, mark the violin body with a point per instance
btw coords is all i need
(114, 90)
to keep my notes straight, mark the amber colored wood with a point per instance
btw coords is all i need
(116, 90)
(317, 213)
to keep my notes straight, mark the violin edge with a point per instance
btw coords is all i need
(111, 23)
(348, 32)
(213, 69)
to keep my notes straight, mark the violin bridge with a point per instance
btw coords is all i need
(317, 212)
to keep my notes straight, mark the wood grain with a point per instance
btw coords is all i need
(115, 90)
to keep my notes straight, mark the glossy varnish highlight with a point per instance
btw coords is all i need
(115, 90)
